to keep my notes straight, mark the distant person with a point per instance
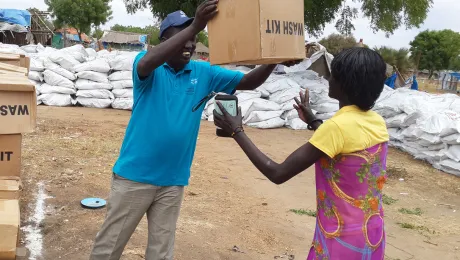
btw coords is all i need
(349, 152)
(157, 152)
(414, 85)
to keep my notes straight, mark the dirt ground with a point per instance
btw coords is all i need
(229, 203)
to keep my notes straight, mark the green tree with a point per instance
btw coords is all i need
(80, 14)
(454, 63)
(434, 50)
(97, 33)
(203, 38)
(336, 43)
(385, 15)
(398, 58)
(154, 32)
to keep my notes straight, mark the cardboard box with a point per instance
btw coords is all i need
(18, 105)
(9, 228)
(10, 188)
(14, 68)
(16, 60)
(257, 32)
(10, 156)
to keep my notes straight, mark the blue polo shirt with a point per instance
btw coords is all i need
(161, 136)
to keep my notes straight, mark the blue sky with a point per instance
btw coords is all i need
(443, 15)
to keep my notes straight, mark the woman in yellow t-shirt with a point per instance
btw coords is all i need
(349, 152)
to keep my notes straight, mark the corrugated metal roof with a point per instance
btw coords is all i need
(123, 37)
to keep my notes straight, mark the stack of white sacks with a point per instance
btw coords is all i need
(122, 80)
(93, 86)
(59, 75)
(424, 125)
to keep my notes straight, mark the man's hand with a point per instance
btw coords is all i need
(291, 63)
(204, 13)
(303, 107)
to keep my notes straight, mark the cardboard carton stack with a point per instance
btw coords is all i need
(18, 108)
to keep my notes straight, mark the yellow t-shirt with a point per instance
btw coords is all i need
(350, 130)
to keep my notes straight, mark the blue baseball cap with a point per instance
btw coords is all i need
(176, 19)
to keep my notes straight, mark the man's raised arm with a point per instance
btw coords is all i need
(168, 47)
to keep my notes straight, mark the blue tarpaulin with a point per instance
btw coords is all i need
(456, 75)
(15, 16)
(390, 82)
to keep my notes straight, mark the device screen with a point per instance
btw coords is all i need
(229, 105)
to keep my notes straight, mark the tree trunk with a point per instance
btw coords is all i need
(65, 37)
(79, 36)
(431, 74)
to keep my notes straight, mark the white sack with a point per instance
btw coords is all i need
(259, 116)
(286, 95)
(451, 139)
(263, 92)
(123, 62)
(98, 65)
(123, 103)
(258, 104)
(94, 102)
(11, 48)
(280, 85)
(326, 108)
(82, 84)
(247, 95)
(40, 48)
(48, 89)
(59, 70)
(36, 76)
(91, 52)
(296, 124)
(453, 152)
(449, 166)
(36, 64)
(31, 48)
(58, 100)
(441, 123)
(78, 52)
(121, 75)
(95, 93)
(122, 84)
(54, 79)
(396, 121)
(395, 134)
(269, 124)
(65, 60)
(123, 93)
(93, 76)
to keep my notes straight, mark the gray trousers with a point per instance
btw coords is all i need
(127, 204)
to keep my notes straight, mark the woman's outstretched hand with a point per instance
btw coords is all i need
(227, 122)
(303, 107)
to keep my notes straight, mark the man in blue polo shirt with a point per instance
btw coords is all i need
(157, 152)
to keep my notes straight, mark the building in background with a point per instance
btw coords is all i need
(69, 36)
(201, 52)
(24, 27)
(124, 41)
(14, 26)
